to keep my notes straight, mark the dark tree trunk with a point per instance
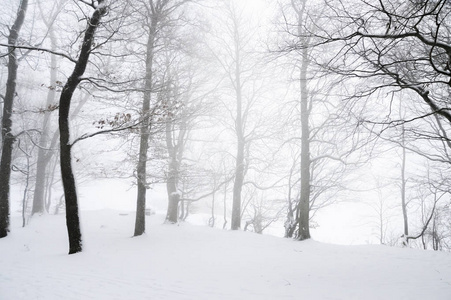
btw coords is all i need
(140, 221)
(7, 136)
(70, 193)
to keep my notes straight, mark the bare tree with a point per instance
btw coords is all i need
(234, 49)
(262, 213)
(400, 46)
(177, 131)
(158, 14)
(325, 138)
(153, 11)
(236, 74)
(383, 214)
(428, 211)
(303, 207)
(391, 49)
(46, 143)
(179, 125)
(71, 199)
(404, 183)
(7, 135)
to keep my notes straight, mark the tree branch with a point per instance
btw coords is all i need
(39, 49)
(86, 135)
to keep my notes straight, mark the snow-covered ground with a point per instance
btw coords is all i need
(198, 262)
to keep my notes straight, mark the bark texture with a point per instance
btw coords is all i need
(7, 136)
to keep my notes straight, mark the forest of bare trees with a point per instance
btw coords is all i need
(258, 114)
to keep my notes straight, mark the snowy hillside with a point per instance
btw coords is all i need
(196, 262)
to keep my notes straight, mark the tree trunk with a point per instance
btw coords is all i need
(237, 187)
(211, 221)
(381, 221)
(172, 179)
(290, 223)
(172, 213)
(224, 200)
(303, 209)
(403, 186)
(140, 221)
(43, 154)
(39, 188)
(7, 136)
(239, 168)
(70, 193)
(25, 190)
(49, 184)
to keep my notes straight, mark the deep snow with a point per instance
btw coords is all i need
(198, 262)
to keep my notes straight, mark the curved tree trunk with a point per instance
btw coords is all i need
(7, 136)
(70, 193)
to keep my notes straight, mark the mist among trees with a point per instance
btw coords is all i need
(258, 114)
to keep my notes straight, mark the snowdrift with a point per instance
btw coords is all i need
(198, 262)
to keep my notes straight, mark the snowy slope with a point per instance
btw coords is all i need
(196, 262)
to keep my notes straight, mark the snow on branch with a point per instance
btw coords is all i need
(117, 129)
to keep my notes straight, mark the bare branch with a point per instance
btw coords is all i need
(39, 49)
